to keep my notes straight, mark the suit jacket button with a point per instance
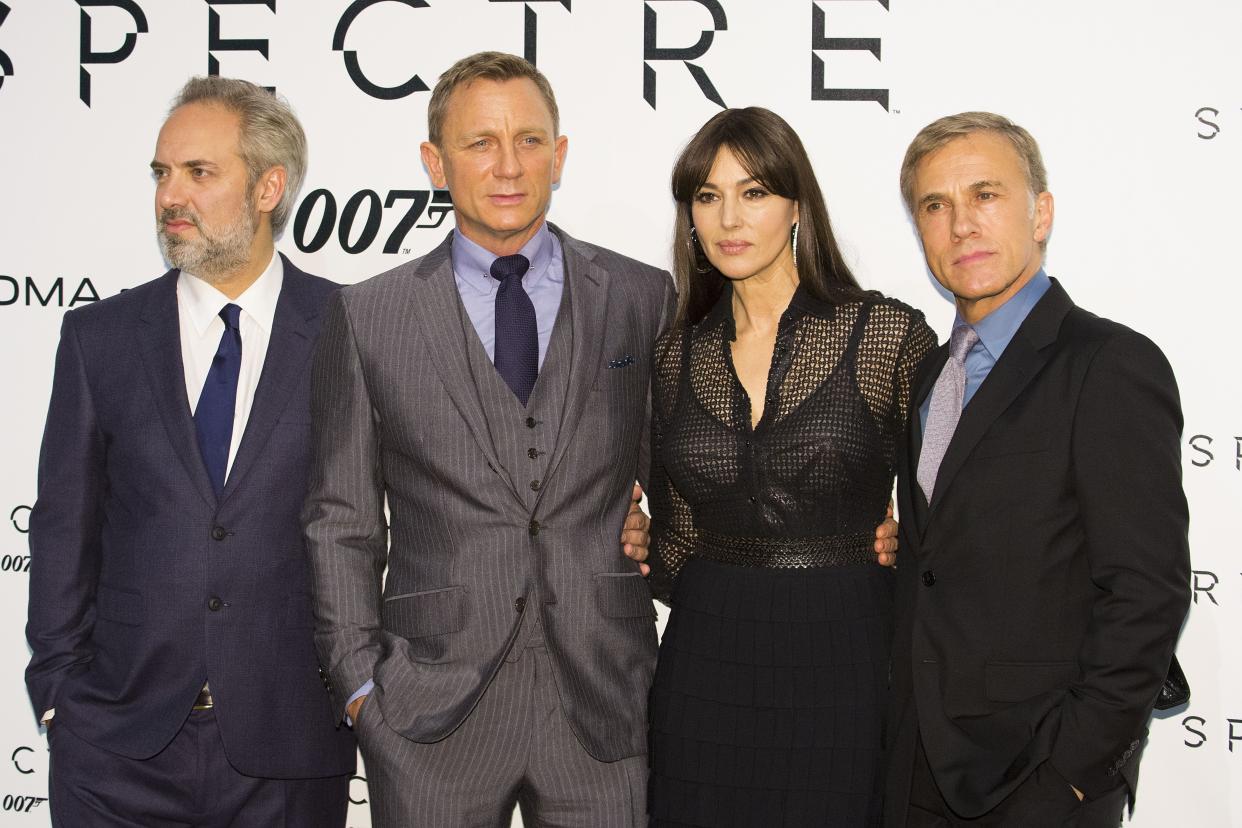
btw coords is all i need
(532, 453)
(929, 577)
(530, 422)
(520, 604)
(219, 533)
(214, 604)
(533, 528)
(534, 485)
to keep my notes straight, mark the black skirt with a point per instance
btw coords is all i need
(769, 697)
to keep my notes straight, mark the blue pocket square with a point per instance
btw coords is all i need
(622, 362)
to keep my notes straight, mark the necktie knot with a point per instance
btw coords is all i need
(507, 267)
(961, 341)
(231, 314)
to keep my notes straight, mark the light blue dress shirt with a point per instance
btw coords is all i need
(543, 283)
(995, 331)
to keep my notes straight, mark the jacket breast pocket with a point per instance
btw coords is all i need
(1006, 445)
(623, 595)
(1016, 681)
(626, 374)
(122, 606)
(433, 612)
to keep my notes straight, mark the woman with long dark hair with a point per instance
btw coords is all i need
(778, 401)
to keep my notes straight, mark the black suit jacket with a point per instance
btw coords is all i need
(130, 546)
(1041, 594)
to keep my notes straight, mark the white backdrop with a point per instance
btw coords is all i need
(1137, 104)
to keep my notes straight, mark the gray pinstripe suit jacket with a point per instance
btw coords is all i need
(398, 419)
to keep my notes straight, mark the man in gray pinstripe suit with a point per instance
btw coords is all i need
(509, 657)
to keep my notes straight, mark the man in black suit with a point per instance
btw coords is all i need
(1045, 569)
(170, 614)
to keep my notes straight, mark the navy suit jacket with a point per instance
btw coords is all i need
(142, 584)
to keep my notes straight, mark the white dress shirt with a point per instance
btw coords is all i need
(198, 311)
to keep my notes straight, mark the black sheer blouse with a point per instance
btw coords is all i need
(808, 485)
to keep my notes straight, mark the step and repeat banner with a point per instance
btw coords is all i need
(1137, 105)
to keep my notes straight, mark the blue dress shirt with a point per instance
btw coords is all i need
(995, 331)
(543, 283)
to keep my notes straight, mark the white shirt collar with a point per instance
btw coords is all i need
(201, 302)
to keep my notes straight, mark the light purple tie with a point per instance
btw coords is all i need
(945, 408)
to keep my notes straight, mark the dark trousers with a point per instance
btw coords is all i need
(189, 784)
(1043, 800)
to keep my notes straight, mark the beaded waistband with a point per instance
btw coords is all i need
(788, 553)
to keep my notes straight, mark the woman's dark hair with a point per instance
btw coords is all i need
(770, 151)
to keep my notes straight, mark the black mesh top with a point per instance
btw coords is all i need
(809, 484)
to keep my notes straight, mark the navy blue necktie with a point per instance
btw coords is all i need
(517, 335)
(213, 418)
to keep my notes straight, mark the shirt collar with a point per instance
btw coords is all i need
(996, 329)
(202, 303)
(472, 263)
(801, 304)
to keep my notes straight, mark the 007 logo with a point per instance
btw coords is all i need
(359, 221)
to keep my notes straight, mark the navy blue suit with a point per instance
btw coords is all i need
(143, 585)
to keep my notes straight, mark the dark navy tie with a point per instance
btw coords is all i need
(517, 336)
(213, 418)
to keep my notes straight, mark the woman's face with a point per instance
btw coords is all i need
(742, 226)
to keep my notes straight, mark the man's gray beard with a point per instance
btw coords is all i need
(212, 259)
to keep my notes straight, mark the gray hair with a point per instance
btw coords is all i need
(270, 133)
(951, 127)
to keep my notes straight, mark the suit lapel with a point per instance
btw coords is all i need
(435, 303)
(587, 284)
(160, 334)
(289, 348)
(912, 502)
(929, 372)
(1024, 358)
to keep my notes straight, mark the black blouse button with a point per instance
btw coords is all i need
(929, 578)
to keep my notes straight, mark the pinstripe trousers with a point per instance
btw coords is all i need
(515, 749)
